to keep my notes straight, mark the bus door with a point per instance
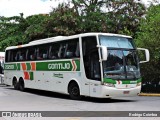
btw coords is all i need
(95, 74)
(91, 65)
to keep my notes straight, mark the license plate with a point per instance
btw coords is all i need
(125, 92)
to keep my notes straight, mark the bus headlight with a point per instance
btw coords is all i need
(109, 84)
(138, 84)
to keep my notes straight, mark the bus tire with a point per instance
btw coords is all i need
(74, 91)
(15, 84)
(21, 85)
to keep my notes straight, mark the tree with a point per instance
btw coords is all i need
(148, 37)
(115, 16)
(12, 31)
(36, 28)
(63, 21)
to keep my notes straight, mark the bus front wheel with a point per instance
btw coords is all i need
(74, 91)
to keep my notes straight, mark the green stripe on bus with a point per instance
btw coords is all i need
(139, 80)
(68, 65)
(31, 75)
(56, 66)
(78, 65)
(18, 66)
(109, 80)
(28, 66)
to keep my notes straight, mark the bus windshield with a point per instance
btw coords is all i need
(122, 61)
(116, 42)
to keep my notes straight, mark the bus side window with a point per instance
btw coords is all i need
(14, 58)
(72, 49)
(44, 56)
(32, 57)
(26, 55)
(21, 57)
(42, 52)
(54, 50)
(50, 52)
(23, 54)
(31, 53)
(77, 52)
(17, 58)
(9, 54)
(38, 54)
(62, 50)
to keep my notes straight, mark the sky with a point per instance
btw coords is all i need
(10, 8)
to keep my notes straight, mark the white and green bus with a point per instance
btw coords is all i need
(98, 65)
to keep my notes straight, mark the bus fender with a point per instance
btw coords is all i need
(76, 81)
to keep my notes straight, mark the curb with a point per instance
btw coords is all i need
(149, 94)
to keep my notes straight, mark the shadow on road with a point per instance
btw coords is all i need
(67, 97)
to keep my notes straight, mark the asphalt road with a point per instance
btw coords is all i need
(37, 100)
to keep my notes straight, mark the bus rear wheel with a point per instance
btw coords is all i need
(74, 91)
(21, 85)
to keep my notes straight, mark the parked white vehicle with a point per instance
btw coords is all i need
(2, 56)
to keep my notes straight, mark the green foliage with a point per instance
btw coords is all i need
(12, 40)
(63, 21)
(12, 31)
(148, 37)
(114, 16)
(36, 27)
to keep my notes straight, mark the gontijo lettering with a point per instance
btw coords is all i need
(59, 66)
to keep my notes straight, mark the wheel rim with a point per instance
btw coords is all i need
(75, 91)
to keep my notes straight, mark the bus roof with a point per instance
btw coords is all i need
(2, 53)
(59, 38)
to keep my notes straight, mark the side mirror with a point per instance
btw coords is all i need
(146, 54)
(104, 53)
